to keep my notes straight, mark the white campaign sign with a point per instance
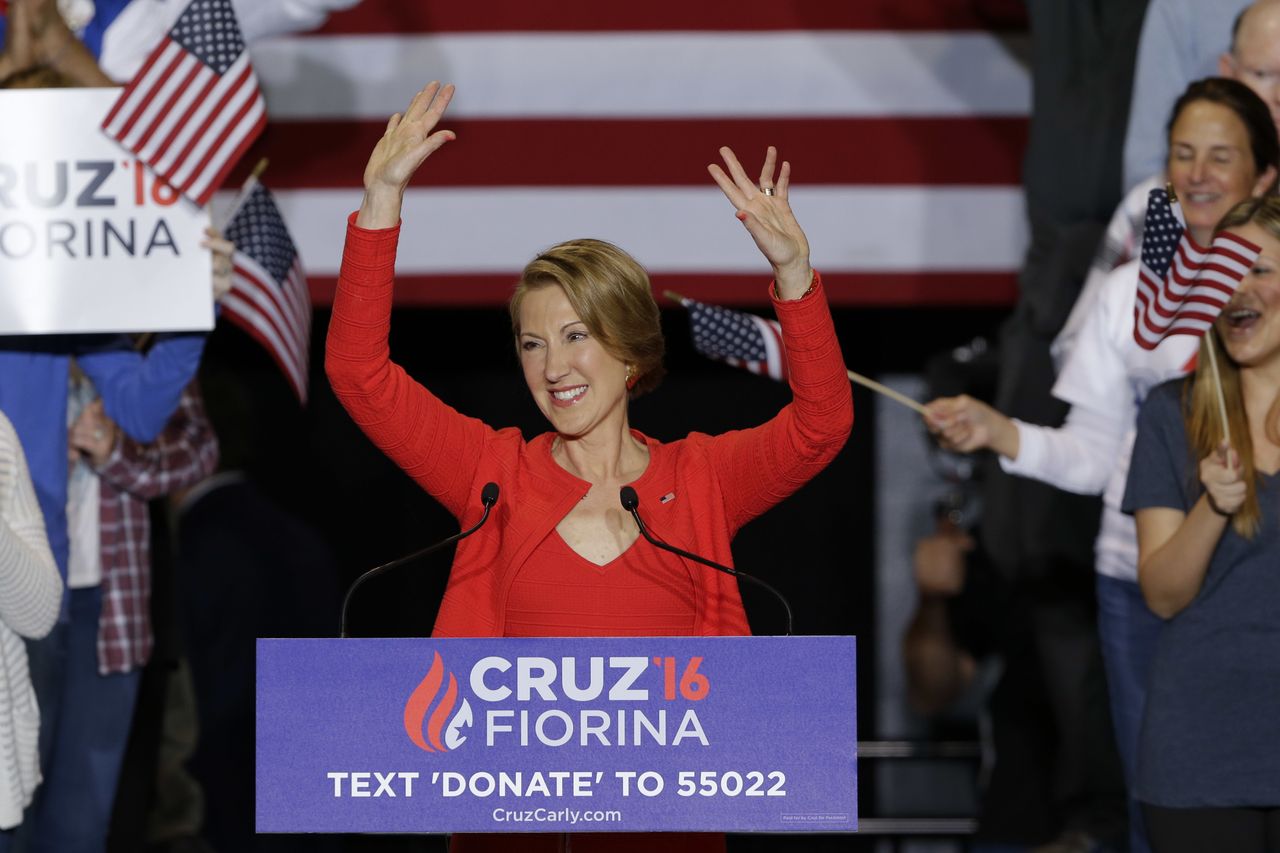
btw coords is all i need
(90, 240)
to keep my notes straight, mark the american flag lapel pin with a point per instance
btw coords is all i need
(667, 498)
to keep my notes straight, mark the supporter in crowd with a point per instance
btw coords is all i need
(109, 579)
(1223, 149)
(86, 672)
(30, 590)
(122, 33)
(1182, 41)
(586, 329)
(1253, 59)
(1205, 498)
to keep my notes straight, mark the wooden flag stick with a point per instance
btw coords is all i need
(1217, 384)
(886, 391)
(864, 381)
(243, 195)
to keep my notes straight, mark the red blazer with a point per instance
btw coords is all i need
(715, 483)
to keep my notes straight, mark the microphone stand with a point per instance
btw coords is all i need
(488, 496)
(631, 503)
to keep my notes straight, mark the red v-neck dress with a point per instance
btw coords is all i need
(643, 592)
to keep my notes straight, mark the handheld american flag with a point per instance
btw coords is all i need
(195, 105)
(1182, 287)
(737, 338)
(269, 297)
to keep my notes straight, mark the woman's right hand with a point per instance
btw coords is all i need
(1223, 480)
(964, 424)
(410, 138)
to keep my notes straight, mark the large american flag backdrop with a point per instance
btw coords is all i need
(904, 122)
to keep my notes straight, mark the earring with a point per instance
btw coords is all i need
(631, 377)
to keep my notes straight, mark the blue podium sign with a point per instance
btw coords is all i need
(557, 735)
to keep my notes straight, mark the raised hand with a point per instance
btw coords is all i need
(410, 138)
(1222, 480)
(40, 41)
(21, 41)
(766, 212)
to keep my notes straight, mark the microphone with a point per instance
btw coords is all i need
(488, 497)
(631, 503)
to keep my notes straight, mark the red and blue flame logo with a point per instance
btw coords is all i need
(429, 717)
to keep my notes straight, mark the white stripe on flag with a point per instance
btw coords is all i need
(761, 74)
(676, 229)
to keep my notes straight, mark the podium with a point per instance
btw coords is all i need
(716, 734)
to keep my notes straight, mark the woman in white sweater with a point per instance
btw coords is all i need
(30, 594)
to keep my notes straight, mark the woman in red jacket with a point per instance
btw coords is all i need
(558, 558)
(561, 558)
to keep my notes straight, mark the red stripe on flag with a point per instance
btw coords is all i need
(400, 17)
(846, 290)
(881, 151)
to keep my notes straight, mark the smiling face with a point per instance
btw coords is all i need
(575, 381)
(1211, 165)
(1250, 324)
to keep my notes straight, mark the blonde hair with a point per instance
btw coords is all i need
(1200, 400)
(611, 294)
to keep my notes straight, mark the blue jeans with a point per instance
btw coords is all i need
(1128, 631)
(87, 736)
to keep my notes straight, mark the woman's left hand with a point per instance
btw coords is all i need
(769, 219)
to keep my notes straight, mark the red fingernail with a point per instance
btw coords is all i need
(742, 215)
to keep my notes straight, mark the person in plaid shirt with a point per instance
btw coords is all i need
(111, 635)
(131, 474)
